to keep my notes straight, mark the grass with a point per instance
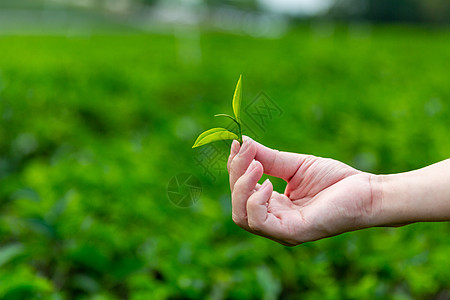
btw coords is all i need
(93, 129)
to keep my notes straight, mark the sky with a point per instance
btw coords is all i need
(305, 7)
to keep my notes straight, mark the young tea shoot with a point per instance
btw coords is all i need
(219, 134)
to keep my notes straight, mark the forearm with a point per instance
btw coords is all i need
(420, 195)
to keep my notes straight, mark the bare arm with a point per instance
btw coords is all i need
(325, 197)
(420, 195)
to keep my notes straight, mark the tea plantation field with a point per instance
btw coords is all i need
(93, 128)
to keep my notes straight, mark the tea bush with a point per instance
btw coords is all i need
(94, 128)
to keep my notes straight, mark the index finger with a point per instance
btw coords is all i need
(279, 163)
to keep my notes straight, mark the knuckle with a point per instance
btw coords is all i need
(251, 206)
(235, 219)
(240, 183)
(233, 163)
(255, 226)
(238, 220)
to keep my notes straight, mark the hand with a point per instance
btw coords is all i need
(323, 197)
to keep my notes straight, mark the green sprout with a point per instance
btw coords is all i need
(219, 134)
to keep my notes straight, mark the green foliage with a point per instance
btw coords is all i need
(214, 135)
(219, 134)
(94, 128)
(237, 100)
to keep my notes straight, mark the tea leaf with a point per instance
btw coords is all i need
(228, 116)
(237, 98)
(213, 135)
(9, 252)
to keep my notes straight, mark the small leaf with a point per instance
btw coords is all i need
(9, 252)
(228, 116)
(213, 135)
(237, 98)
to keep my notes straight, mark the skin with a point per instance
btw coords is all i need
(325, 197)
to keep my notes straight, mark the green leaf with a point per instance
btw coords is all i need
(237, 99)
(9, 252)
(213, 135)
(228, 116)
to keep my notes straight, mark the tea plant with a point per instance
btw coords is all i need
(219, 134)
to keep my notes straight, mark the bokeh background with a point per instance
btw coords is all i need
(101, 101)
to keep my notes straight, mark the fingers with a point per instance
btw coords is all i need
(250, 200)
(240, 162)
(260, 221)
(277, 163)
(245, 186)
(257, 206)
(235, 147)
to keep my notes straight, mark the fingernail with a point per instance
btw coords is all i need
(245, 146)
(265, 184)
(251, 167)
(234, 147)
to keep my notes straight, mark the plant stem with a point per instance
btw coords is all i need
(240, 132)
(237, 123)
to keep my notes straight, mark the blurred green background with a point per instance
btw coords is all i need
(99, 108)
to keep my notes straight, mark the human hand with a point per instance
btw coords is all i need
(323, 197)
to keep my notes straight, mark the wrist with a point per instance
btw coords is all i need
(391, 202)
(376, 200)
